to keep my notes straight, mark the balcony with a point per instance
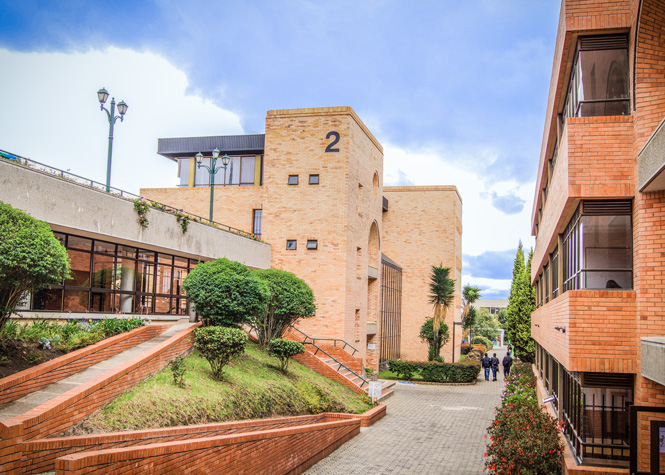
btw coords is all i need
(589, 330)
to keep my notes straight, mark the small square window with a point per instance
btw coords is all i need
(293, 179)
(314, 179)
(291, 244)
(312, 244)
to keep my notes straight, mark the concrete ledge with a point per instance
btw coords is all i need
(652, 351)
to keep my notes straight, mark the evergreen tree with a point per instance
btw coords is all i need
(521, 303)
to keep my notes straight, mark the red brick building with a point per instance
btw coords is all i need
(599, 222)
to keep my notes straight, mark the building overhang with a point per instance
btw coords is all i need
(651, 162)
(652, 350)
(174, 148)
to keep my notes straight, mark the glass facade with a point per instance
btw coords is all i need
(113, 278)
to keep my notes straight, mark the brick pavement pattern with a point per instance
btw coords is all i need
(429, 429)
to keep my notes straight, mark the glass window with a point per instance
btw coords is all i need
(77, 301)
(256, 226)
(314, 179)
(232, 172)
(103, 272)
(124, 251)
(124, 303)
(554, 258)
(79, 263)
(247, 171)
(145, 279)
(48, 299)
(125, 275)
(183, 171)
(202, 176)
(102, 302)
(599, 79)
(180, 261)
(178, 278)
(291, 245)
(162, 305)
(144, 304)
(146, 255)
(104, 247)
(293, 179)
(76, 242)
(164, 279)
(598, 252)
(312, 244)
(61, 237)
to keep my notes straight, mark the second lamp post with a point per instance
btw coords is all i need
(212, 169)
(102, 95)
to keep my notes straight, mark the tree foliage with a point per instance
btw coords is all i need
(502, 316)
(486, 325)
(469, 296)
(31, 258)
(285, 350)
(521, 303)
(434, 341)
(289, 300)
(441, 293)
(225, 293)
(218, 345)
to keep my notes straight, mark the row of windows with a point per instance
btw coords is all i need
(292, 244)
(114, 278)
(597, 251)
(241, 171)
(313, 179)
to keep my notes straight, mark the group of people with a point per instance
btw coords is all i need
(492, 364)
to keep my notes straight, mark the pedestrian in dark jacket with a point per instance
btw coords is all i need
(494, 361)
(486, 363)
(507, 363)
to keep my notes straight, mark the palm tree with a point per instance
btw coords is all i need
(441, 294)
(469, 294)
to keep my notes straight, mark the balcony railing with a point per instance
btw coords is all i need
(126, 195)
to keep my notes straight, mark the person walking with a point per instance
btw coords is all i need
(507, 362)
(494, 361)
(486, 363)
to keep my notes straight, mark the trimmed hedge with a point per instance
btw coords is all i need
(481, 340)
(432, 371)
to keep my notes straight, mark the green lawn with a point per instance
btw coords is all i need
(253, 388)
(387, 374)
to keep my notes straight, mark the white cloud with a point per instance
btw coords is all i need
(51, 113)
(485, 227)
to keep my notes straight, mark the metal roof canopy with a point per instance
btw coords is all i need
(229, 144)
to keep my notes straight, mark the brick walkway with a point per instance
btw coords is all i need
(428, 430)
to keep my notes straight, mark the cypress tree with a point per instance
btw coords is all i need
(521, 303)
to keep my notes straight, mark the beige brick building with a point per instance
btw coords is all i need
(312, 187)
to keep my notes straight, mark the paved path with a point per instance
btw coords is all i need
(36, 398)
(428, 430)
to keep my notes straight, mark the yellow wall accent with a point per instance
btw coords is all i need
(192, 173)
(257, 170)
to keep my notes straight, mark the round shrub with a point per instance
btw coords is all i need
(284, 350)
(481, 340)
(218, 345)
(225, 293)
(465, 348)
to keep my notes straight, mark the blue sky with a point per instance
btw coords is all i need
(455, 91)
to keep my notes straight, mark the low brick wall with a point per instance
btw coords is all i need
(367, 419)
(320, 367)
(63, 411)
(278, 451)
(18, 385)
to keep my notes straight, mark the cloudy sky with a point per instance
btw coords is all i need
(455, 91)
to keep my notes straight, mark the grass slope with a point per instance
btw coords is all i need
(254, 388)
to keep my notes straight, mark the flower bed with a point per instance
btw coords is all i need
(523, 438)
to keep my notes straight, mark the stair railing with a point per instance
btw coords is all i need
(312, 341)
(334, 340)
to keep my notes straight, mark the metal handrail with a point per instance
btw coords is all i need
(81, 181)
(341, 365)
(334, 340)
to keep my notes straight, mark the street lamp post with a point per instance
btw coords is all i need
(454, 325)
(212, 169)
(102, 95)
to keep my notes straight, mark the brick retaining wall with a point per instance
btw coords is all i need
(67, 409)
(18, 385)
